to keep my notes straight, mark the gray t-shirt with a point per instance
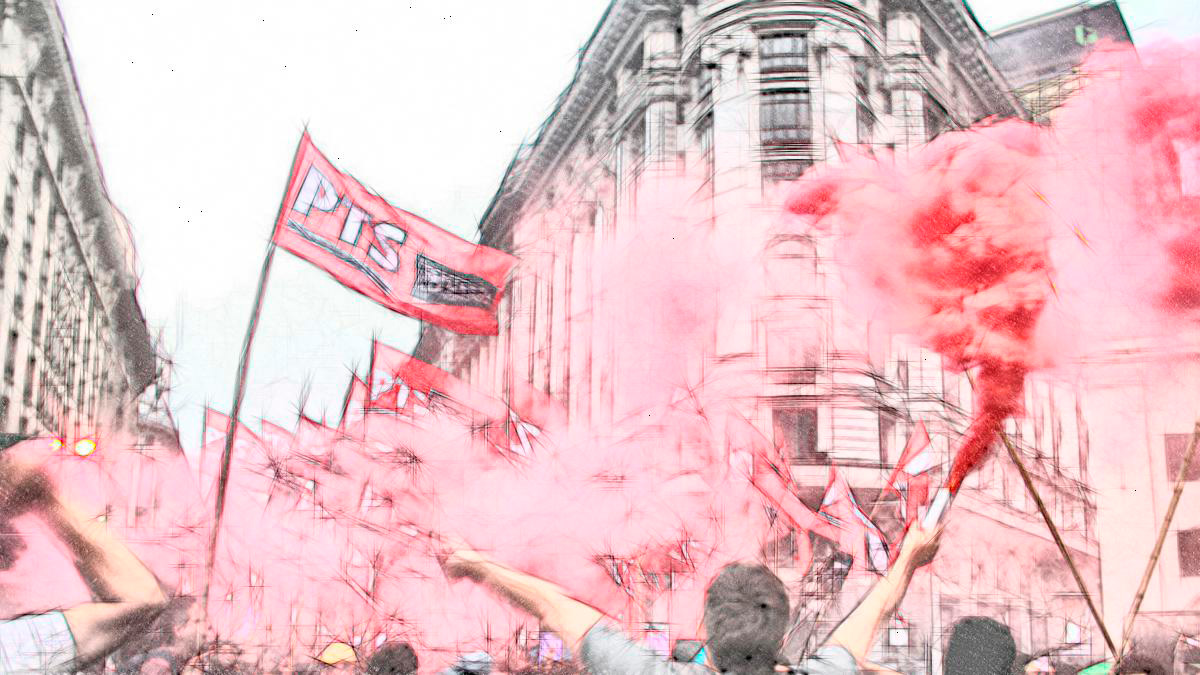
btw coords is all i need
(608, 651)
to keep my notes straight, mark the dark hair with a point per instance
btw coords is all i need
(746, 612)
(979, 646)
(393, 658)
(686, 651)
(1138, 663)
(9, 440)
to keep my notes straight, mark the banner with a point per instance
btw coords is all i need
(397, 259)
(402, 383)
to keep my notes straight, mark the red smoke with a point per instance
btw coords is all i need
(949, 241)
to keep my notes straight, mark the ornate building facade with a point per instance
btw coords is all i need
(746, 95)
(75, 348)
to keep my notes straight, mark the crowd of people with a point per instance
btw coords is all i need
(137, 626)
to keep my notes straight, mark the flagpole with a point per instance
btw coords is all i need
(1180, 479)
(1058, 540)
(239, 389)
(230, 434)
(1054, 533)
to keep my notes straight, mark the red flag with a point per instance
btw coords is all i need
(245, 445)
(770, 476)
(391, 256)
(532, 416)
(355, 407)
(858, 536)
(910, 479)
(402, 383)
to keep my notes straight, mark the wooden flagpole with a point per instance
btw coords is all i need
(1180, 479)
(1058, 540)
(230, 434)
(239, 389)
(1054, 533)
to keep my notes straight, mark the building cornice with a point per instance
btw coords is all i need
(535, 159)
(974, 62)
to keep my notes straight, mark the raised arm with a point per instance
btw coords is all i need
(857, 631)
(566, 616)
(128, 596)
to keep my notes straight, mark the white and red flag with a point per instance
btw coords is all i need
(911, 478)
(354, 408)
(397, 259)
(857, 533)
(401, 383)
(532, 414)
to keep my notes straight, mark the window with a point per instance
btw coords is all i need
(796, 430)
(930, 47)
(1177, 445)
(707, 79)
(937, 119)
(783, 52)
(705, 136)
(862, 95)
(1189, 552)
(887, 427)
(9, 200)
(779, 170)
(633, 147)
(786, 117)
(20, 138)
(30, 373)
(10, 358)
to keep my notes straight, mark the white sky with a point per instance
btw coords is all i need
(196, 108)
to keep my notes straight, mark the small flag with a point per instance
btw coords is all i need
(859, 536)
(910, 479)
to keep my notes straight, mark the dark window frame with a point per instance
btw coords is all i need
(1174, 449)
(783, 52)
(800, 426)
(785, 117)
(1188, 543)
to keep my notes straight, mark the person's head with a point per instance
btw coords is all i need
(687, 651)
(1140, 663)
(979, 646)
(746, 614)
(392, 658)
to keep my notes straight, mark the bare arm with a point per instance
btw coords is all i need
(128, 596)
(857, 631)
(565, 615)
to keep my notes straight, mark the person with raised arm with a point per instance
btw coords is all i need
(127, 595)
(745, 615)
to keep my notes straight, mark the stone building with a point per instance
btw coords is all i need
(745, 95)
(75, 347)
(1040, 56)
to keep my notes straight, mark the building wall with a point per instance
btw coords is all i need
(73, 342)
(687, 86)
(1142, 412)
